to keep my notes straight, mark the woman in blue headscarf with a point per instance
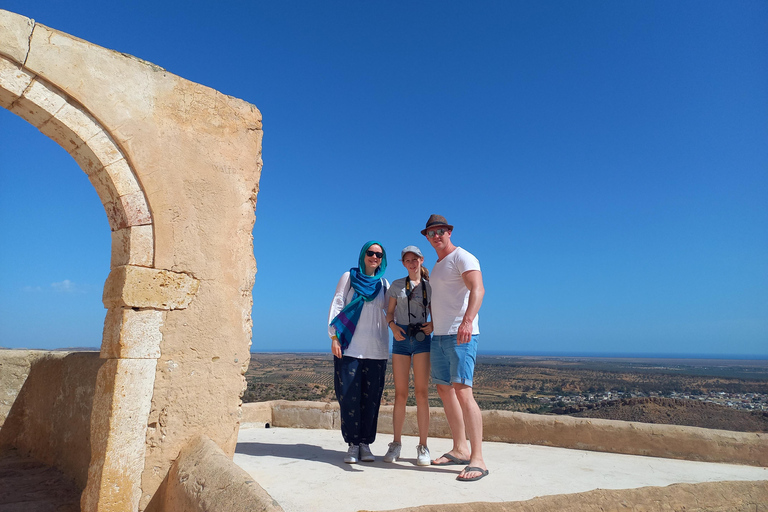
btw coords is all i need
(358, 331)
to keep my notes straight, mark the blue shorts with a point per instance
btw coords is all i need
(452, 362)
(410, 346)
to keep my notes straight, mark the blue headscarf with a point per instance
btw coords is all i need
(366, 289)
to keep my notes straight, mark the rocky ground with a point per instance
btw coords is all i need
(675, 412)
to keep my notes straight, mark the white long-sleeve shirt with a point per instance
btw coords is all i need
(371, 338)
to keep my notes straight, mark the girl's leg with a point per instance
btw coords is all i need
(401, 371)
(347, 384)
(372, 385)
(421, 385)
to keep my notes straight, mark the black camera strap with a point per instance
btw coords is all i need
(409, 292)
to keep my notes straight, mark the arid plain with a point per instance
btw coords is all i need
(721, 394)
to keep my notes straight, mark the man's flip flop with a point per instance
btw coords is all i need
(472, 469)
(451, 460)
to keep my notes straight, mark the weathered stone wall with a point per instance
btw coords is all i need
(669, 441)
(177, 167)
(45, 410)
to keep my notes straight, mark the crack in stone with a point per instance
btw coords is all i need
(29, 42)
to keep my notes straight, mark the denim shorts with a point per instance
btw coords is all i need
(452, 362)
(410, 346)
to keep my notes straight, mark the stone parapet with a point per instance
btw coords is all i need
(257, 414)
(45, 407)
(704, 497)
(668, 441)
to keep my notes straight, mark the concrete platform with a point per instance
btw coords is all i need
(302, 469)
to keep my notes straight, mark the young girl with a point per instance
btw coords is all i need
(407, 316)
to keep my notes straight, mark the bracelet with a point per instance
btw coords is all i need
(390, 322)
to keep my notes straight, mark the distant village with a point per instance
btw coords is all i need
(743, 401)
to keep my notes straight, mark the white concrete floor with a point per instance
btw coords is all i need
(303, 470)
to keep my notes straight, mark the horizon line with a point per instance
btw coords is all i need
(566, 354)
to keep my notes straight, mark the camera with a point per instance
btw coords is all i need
(414, 330)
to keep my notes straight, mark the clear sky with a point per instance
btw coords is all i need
(606, 161)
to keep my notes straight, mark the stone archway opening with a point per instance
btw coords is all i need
(56, 245)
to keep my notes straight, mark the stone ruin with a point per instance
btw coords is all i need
(151, 422)
(176, 166)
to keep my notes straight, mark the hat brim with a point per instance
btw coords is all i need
(424, 231)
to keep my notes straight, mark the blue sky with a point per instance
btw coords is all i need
(606, 162)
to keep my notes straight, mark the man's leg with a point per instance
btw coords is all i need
(473, 421)
(455, 417)
(440, 361)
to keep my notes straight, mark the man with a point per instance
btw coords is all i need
(457, 293)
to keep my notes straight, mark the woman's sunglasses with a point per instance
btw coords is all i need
(374, 253)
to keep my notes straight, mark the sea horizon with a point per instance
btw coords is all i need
(569, 354)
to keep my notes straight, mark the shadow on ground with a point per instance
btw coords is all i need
(27, 485)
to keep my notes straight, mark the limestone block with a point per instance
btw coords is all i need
(60, 134)
(104, 187)
(104, 148)
(133, 245)
(132, 334)
(136, 209)
(38, 104)
(71, 126)
(105, 81)
(122, 177)
(118, 426)
(125, 211)
(13, 81)
(306, 414)
(141, 287)
(15, 31)
(114, 210)
(256, 413)
(98, 151)
(204, 478)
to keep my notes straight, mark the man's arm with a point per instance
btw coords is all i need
(473, 280)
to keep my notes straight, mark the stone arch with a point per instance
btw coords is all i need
(71, 126)
(176, 166)
(75, 129)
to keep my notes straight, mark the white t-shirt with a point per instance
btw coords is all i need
(370, 340)
(450, 295)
